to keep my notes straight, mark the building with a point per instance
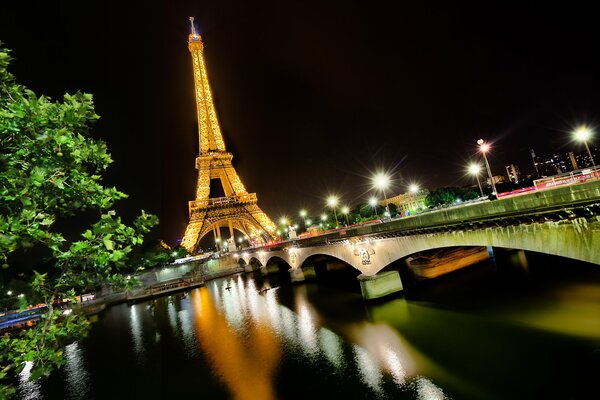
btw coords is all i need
(552, 164)
(408, 203)
(513, 173)
(573, 160)
(559, 163)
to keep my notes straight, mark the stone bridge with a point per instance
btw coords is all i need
(564, 221)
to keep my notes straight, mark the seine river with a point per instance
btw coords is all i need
(517, 328)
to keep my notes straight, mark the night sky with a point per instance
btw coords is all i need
(314, 98)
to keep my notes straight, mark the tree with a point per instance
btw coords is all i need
(449, 195)
(51, 169)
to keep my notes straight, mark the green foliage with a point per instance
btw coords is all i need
(449, 195)
(50, 168)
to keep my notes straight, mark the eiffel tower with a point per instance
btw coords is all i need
(238, 209)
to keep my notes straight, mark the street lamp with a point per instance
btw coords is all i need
(323, 219)
(332, 202)
(484, 148)
(413, 188)
(303, 215)
(345, 211)
(217, 242)
(583, 133)
(475, 169)
(382, 182)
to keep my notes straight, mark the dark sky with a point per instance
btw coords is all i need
(314, 97)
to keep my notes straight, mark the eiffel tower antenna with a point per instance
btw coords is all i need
(238, 209)
(193, 27)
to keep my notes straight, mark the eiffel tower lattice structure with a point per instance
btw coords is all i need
(238, 210)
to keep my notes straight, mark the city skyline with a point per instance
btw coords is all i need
(313, 100)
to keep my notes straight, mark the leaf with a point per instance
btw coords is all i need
(109, 244)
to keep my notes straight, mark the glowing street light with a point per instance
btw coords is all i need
(332, 202)
(217, 243)
(475, 169)
(303, 215)
(323, 217)
(583, 133)
(345, 211)
(413, 188)
(484, 148)
(373, 203)
(382, 182)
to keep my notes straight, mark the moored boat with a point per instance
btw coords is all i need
(431, 265)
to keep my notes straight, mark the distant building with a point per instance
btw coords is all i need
(573, 160)
(583, 158)
(513, 173)
(536, 162)
(552, 164)
(558, 163)
(497, 179)
(408, 203)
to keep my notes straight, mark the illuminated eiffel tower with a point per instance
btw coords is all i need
(238, 209)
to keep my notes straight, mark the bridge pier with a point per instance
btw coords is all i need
(301, 274)
(380, 285)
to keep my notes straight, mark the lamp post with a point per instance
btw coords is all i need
(583, 133)
(303, 214)
(484, 148)
(332, 202)
(413, 188)
(323, 219)
(217, 243)
(382, 181)
(373, 203)
(345, 211)
(475, 169)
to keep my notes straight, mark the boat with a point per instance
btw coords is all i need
(433, 264)
(163, 288)
(18, 319)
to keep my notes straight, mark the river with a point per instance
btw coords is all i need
(524, 327)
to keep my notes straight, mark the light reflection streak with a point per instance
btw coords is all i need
(331, 345)
(368, 369)
(189, 339)
(28, 390)
(136, 330)
(387, 349)
(246, 368)
(172, 316)
(77, 376)
(395, 367)
(306, 327)
(426, 390)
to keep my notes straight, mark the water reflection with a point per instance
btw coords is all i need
(332, 347)
(244, 332)
(77, 376)
(28, 390)
(136, 329)
(244, 360)
(370, 373)
(426, 390)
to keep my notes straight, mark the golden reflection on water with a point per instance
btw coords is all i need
(245, 364)
(242, 331)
